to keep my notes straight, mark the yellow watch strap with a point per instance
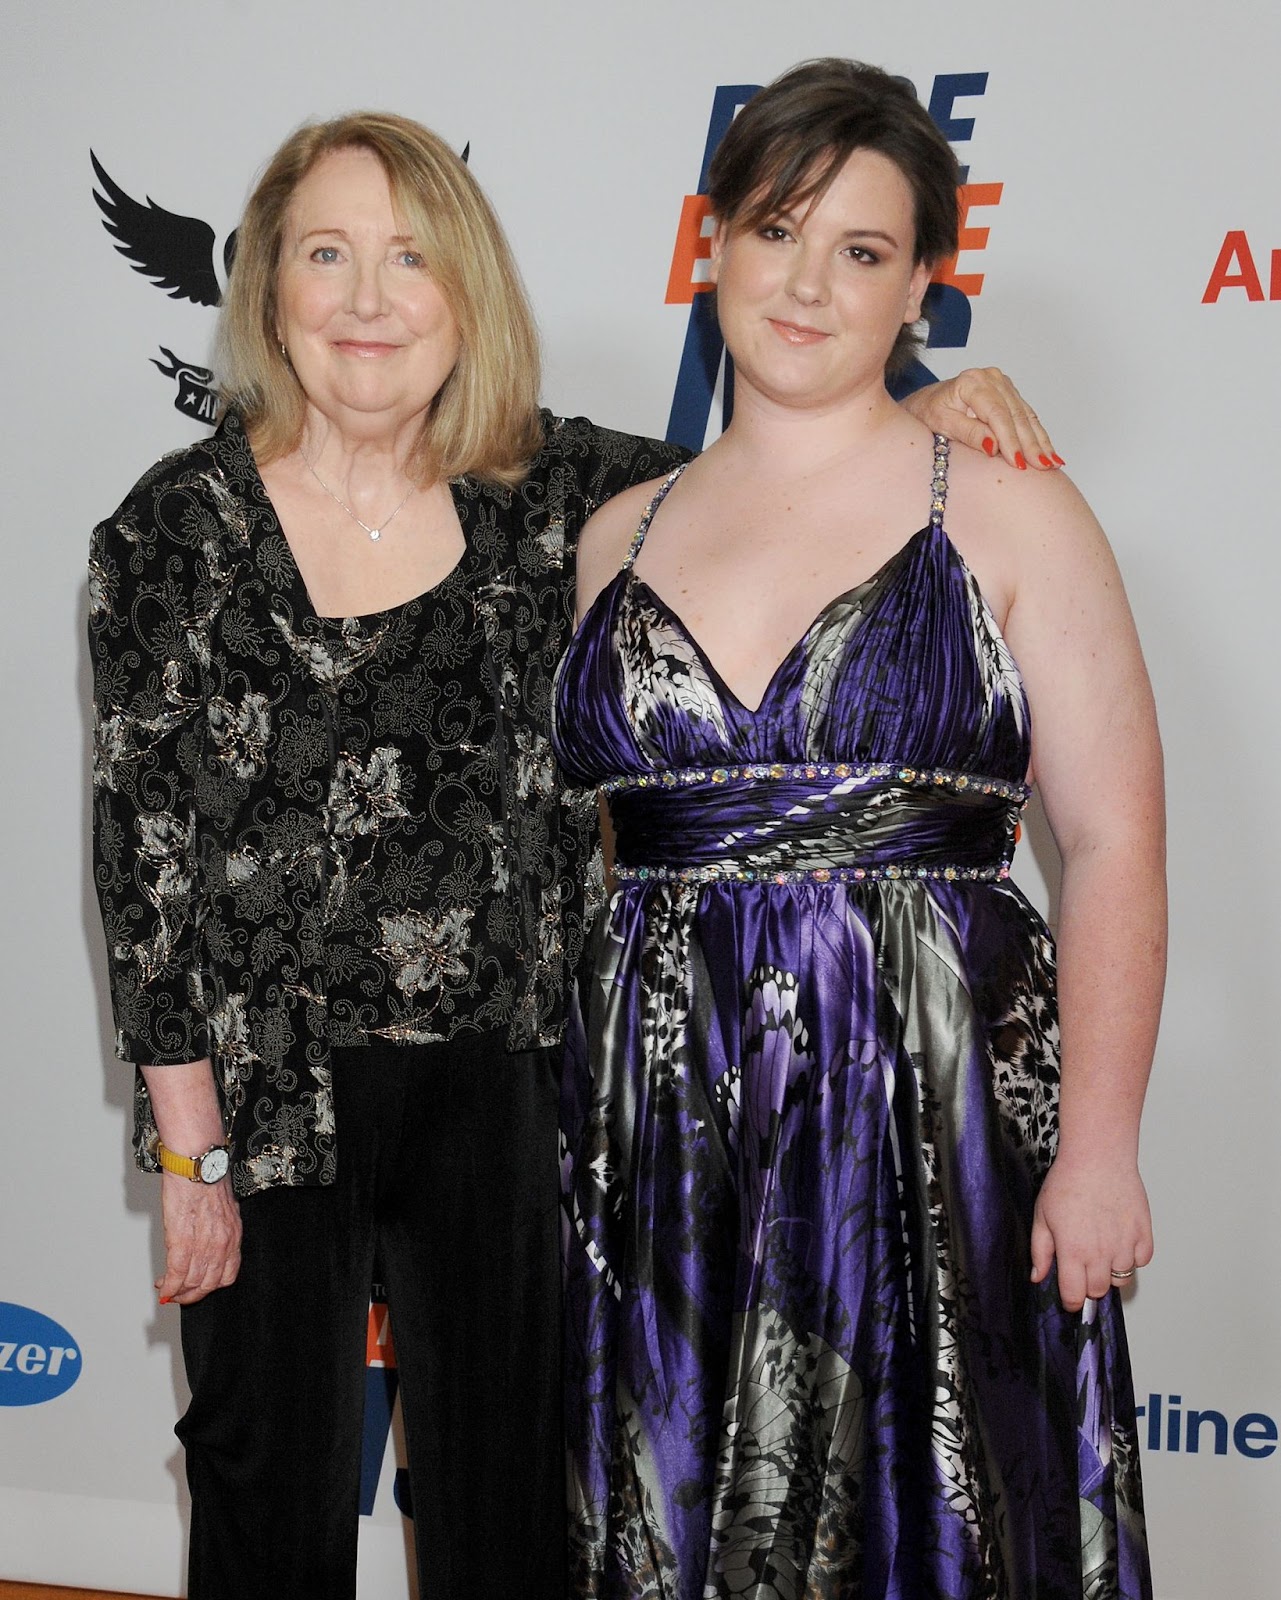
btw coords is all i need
(171, 1161)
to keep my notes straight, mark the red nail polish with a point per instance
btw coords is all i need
(990, 446)
(166, 1299)
(1058, 460)
(1044, 460)
(1019, 461)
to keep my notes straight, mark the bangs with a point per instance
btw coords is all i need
(798, 178)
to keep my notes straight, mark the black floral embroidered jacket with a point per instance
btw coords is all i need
(221, 797)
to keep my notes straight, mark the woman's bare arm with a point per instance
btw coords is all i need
(1097, 760)
(201, 1221)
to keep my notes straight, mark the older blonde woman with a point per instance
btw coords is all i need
(342, 890)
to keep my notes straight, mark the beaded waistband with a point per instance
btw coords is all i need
(891, 871)
(814, 771)
(818, 822)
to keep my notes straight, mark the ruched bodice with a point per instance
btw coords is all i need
(907, 668)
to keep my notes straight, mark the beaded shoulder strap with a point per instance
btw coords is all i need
(938, 485)
(638, 538)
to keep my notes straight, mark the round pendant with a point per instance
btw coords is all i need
(375, 534)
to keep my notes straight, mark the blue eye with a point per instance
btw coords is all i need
(411, 258)
(326, 254)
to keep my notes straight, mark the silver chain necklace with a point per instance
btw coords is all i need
(374, 533)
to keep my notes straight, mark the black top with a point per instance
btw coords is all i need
(228, 826)
(423, 940)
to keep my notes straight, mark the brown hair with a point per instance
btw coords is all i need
(792, 138)
(484, 421)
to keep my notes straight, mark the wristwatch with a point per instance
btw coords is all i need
(210, 1167)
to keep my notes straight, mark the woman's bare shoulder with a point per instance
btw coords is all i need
(1017, 528)
(607, 536)
(992, 495)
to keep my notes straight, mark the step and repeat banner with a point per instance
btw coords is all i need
(1122, 259)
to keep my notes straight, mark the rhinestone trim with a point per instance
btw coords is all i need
(638, 538)
(812, 771)
(938, 485)
(891, 871)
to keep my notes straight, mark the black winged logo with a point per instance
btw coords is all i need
(175, 252)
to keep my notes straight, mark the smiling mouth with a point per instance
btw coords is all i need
(798, 333)
(365, 347)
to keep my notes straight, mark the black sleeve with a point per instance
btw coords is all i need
(148, 583)
(606, 462)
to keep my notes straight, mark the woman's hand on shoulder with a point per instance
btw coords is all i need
(1091, 1220)
(607, 537)
(981, 408)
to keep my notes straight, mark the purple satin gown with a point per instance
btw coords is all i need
(806, 1123)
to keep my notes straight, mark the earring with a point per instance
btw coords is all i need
(284, 352)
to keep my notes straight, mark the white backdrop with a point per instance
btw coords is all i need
(1129, 145)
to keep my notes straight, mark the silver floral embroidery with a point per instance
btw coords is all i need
(426, 952)
(229, 1034)
(166, 850)
(240, 733)
(499, 847)
(363, 797)
(111, 747)
(324, 1100)
(231, 510)
(330, 661)
(551, 544)
(273, 1165)
(535, 764)
(242, 865)
(102, 583)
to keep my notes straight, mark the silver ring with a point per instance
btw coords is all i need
(1124, 1275)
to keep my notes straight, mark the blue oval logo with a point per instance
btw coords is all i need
(38, 1359)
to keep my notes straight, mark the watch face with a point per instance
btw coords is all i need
(214, 1165)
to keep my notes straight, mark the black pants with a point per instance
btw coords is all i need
(447, 1187)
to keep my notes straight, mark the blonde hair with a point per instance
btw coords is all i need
(484, 421)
